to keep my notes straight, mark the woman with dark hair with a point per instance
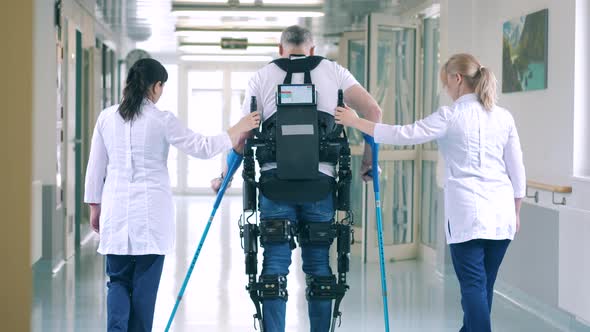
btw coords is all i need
(485, 177)
(128, 190)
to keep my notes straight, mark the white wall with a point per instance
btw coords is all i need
(45, 95)
(476, 27)
(553, 123)
(544, 117)
(582, 95)
(574, 269)
(44, 116)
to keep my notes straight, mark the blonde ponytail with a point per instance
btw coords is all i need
(485, 88)
(477, 77)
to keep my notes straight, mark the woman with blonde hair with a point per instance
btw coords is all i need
(484, 181)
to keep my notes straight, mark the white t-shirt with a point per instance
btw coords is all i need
(327, 77)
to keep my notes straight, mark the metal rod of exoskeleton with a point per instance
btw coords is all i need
(375, 174)
(234, 161)
(340, 103)
(254, 108)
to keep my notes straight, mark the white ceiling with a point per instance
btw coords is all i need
(340, 15)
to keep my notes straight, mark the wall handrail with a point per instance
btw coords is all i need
(547, 187)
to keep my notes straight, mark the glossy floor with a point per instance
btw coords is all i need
(215, 300)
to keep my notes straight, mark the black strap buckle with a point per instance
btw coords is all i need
(272, 287)
(316, 233)
(274, 231)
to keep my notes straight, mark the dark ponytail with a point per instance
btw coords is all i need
(141, 77)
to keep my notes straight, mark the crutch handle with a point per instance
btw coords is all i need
(234, 160)
(374, 172)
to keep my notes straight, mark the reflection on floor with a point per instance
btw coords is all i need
(215, 300)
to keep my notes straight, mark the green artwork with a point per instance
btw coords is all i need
(524, 53)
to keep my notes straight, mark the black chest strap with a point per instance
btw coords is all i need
(301, 65)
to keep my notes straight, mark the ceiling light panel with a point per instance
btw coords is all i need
(209, 49)
(244, 13)
(184, 9)
(285, 2)
(215, 39)
(227, 58)
(216, 36)
(265, 2)
(205, 2)
(233, 22)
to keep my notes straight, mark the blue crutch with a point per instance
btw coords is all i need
(233, 161)
(375, 174)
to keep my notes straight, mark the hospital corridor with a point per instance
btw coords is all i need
(295, 165)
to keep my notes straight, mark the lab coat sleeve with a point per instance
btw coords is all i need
(97, 168)
(514, 164)
(194, 144)
(422, 131)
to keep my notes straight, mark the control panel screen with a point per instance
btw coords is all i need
(296, 94)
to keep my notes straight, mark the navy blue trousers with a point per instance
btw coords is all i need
(316, 261)
(477, 263)
(132, 291)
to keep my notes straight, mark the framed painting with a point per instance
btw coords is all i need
(524, 53)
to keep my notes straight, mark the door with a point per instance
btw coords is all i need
(73, 137)
(77, 144)
(87, 122)
(431, 206)
(392, 73)
(60, 224)
(214, 96)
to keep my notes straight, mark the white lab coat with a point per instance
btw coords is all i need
(127, 173)
(483, 161)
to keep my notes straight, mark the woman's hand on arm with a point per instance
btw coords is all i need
(362, 101)
(238, 135)
(347, 117)
(239, 131)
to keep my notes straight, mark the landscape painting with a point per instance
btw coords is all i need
(524, 53)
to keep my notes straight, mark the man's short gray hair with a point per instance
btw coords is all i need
(296, 36)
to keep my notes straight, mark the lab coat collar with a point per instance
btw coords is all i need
(147, 102)
(466, 98)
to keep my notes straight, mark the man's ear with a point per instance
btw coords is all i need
(281, 50)
(312, 51)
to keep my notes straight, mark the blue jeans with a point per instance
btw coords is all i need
(477, 263)
(132, 291)
(277, 259)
